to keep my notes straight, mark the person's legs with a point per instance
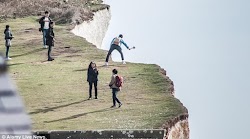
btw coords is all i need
(95, 85)
(49, 53)
(114, 96)
(109, 53)
(45, 31)
(115, 99)
(90, 89)
(7, 51)
(119, 49)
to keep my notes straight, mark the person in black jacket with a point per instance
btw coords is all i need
(45, 22)
(8, 38)
(92, 78)
(50, 38)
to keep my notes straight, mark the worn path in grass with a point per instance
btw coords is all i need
(55, 93)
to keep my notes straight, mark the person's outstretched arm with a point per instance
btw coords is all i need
(124, 44)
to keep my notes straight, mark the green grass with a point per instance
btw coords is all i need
(55, 92)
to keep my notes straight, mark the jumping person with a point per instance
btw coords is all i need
(92, 78)
(50, 38)
(45, 22)
(116, 44)
(114, 88)
(8, 38)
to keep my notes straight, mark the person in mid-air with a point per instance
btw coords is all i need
(116, 45)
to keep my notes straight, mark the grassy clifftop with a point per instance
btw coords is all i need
(55, 92)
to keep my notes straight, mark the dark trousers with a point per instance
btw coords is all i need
(90, 88)
(112, 48)
(49, 52)
(115, 99)
(7, 51)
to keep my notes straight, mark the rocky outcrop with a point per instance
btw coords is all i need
(178, 127)
(94, 30)
(171, 83)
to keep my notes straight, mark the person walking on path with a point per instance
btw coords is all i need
(50, 38)
(92, 79)
(45, 22)
(116, 45)
(8, 38)
(115, 89)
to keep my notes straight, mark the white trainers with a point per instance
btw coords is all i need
(45, 46)
(123, 62)
(106, 64)
(8, 58)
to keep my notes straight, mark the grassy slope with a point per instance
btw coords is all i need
(55, 92)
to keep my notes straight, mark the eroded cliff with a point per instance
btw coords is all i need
(94, 30)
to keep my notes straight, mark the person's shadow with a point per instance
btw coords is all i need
(54, 108)
(28, 53)
(79, 115)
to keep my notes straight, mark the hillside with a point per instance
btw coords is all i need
(55, 93)
(62, 11)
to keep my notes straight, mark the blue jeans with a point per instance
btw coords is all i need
(112, 48)
(45, 32)
(115, 99)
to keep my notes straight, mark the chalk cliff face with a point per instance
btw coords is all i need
(94, 31)
(178, 127)
(179, 131)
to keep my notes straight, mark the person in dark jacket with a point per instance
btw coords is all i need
(8, 38)
(45, 22)
(50, 38)
(92, 78)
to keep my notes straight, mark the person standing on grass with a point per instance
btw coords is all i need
(92, 79)
(114, 88)
(8, 38)
(50, 38)
(45, 22)
(116, 45)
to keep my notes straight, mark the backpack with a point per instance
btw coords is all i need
(116, 41)
(118, 81)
